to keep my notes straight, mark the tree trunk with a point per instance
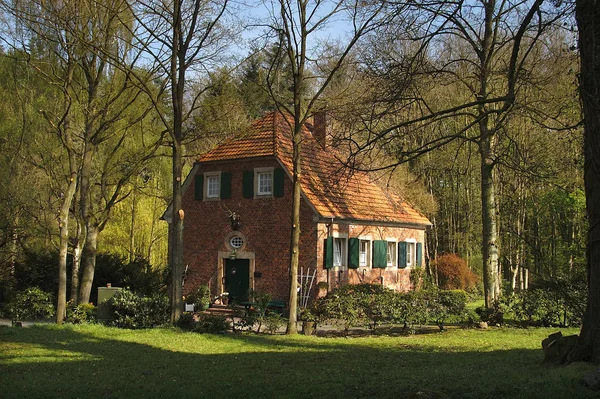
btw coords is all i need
(63, 223)
(14, 250)
(491, 283)
(75, 267)
(588, 22)
(177, 239)
(89, 263)
(292, 326)
(132, 230)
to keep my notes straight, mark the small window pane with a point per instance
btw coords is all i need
(265, 183)
(391, 253)
(337, 252)
(364, 253)
(236, 242)
(410, 253)
(212, 187)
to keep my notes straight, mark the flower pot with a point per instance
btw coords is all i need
(309, 327)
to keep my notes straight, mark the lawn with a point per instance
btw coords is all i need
(97, 361)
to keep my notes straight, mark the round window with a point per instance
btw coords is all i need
(236, 242)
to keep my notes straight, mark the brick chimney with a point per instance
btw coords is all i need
(320, 128)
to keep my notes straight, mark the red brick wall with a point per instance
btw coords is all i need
(393, 277)
(266, 223)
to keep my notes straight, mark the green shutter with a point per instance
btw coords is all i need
(225, 185)
(278, 182)
(353, 253)
(328, 253)
(419, 254)
(402, 255)
(379, 254)
(199, 187)
(248, 184)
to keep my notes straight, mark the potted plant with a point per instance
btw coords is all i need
(202, 297)
(309, 322)
(323, 287)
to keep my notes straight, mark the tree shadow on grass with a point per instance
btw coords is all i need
(69, 363)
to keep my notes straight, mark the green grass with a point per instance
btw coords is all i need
(96, 361)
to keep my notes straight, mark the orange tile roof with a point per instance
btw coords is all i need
(334, 191)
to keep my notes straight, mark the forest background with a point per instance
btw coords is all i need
(85, 154)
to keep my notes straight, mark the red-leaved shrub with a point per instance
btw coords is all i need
(453, 273)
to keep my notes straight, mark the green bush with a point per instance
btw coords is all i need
(31, 304)
(212, 324)
(200, 297)
(82, 313)
(130, 310)
(446, 306)
(345, 304)
(186, 321)
(494, 315)
(558, 301)
(273, 322)
(373, 304)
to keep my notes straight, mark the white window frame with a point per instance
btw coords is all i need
(394, 245)
(366, 262)
(340, 245)
(257, 174)
(207, 177)
(410, 253)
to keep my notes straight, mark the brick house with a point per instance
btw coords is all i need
(238, 199)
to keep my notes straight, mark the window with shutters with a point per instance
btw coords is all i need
(264, 182)
(339, 252)
(364, 253)
(391, 253)
(212, 185)
(410, 254)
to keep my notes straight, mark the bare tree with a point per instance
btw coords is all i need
(73, 43)
(296, 25)
(180, 40)
(485, 48)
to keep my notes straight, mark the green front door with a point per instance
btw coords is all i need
(237, 279)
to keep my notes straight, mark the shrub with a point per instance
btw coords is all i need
(453, 273)
(31, 304)
(82, 313)
(212, 324)
(494, 315)
(133, 311)
(347, 303)
(200, 297)
(446, 305)
(138, 276)
(556, 301)
(273, 322)
(186, 321)
(420, 280)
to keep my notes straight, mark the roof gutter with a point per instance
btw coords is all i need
(408, 225)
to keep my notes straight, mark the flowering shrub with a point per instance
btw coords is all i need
(453, 273)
